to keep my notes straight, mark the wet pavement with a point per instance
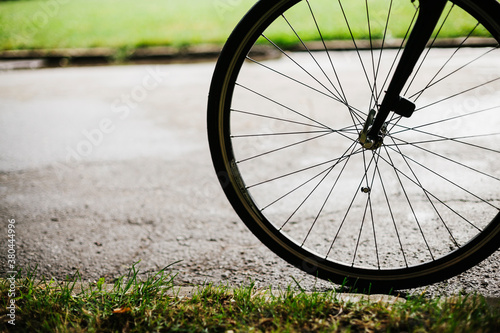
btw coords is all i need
(103, 167)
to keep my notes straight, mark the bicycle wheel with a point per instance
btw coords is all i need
(284, 135)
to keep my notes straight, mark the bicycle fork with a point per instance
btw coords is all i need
(374, 130)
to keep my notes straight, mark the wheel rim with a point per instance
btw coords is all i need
(425, 194)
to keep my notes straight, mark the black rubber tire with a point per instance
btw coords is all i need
(487, 12)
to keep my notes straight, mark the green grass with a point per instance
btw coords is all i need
(151, 305)
(116, 23)
(126, 24)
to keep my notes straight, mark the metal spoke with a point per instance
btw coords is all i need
(330, 192)
(333, 160)
(283, 147)
(416, 95)
(409, 202)
(428, 50)
(448, 180)
(386, 196)
(328, 53)
(457, 94)
(432, 195)
(284, 106)
(405, 129)
(335, 98)
(444, 157)
(357, 49)
(348, 210)
(418, 182)
(302, 67)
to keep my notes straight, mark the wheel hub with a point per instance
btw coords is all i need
(365, 140)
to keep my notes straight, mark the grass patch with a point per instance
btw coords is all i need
(42, 24)
(151, 304)
(125, 24)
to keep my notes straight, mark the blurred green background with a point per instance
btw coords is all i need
(127, 24)
(35, 24)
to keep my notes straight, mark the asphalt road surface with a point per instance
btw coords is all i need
(102, 167)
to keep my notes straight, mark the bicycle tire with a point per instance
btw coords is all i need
(304, 230)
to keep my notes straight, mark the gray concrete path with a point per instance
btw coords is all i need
(102, 167)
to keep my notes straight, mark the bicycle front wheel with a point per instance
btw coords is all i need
(284, 138)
